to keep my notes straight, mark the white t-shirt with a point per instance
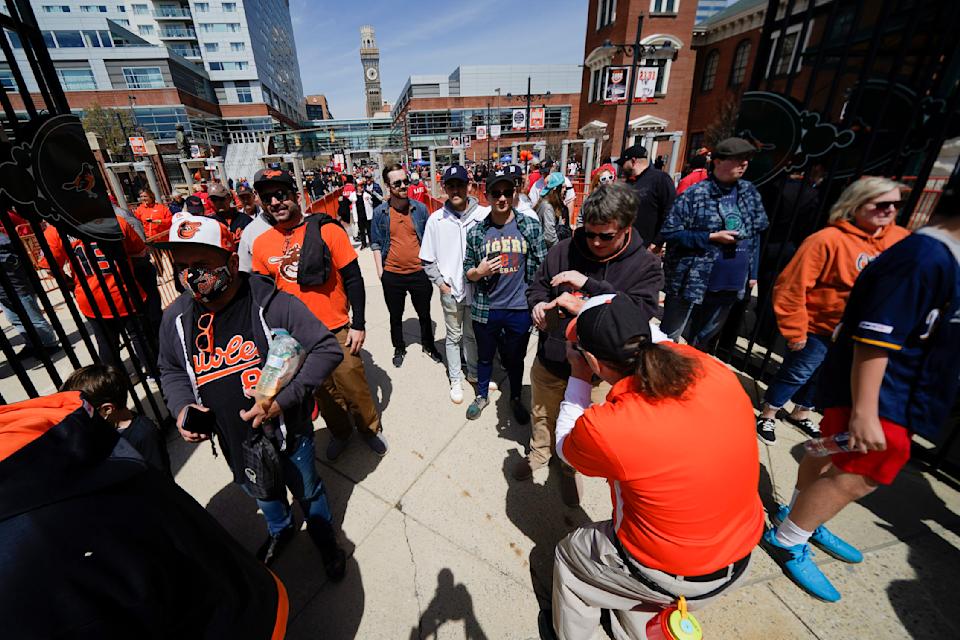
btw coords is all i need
(368, 204)
(445, 244)
(250, 233)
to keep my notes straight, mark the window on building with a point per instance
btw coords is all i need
(663, 6)
(596, 82)
(244, 94)
(48, 40)
(56, 8)
(710, 71)
(69, 39)
(229, 6)
(77, 79)
(93, 8)
(201, 7)
(123, 22)
(238, 46)
(140, 9)
(146, 29)
(7, 81)
(228, 66)
(14, 40)
(219, 27)
(787, 54)
(606, 13)
(211, 47)
(143, 77)
(740, 59)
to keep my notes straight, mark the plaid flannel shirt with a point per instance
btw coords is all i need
(536, 253)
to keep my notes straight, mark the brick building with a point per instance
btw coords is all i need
(726, 45)
(660, 122)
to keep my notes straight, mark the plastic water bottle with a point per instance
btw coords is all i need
(283, 360)
(820, 447)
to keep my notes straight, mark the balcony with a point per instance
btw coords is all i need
(186, 52)
(178, 34)
(172, 13)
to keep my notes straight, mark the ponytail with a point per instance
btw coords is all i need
(660, 372)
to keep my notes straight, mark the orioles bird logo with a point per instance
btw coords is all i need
(187, 230)
(289, 263)
(84, 182)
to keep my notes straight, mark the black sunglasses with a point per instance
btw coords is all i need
(606, 237)
(280, 194)
(496, 194)
(396, 184)
(883, 206)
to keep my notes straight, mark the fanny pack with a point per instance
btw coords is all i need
(263, 478)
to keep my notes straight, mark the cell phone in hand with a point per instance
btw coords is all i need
(552, 318)
(199, 422)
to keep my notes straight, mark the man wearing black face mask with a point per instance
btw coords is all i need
(214, 341)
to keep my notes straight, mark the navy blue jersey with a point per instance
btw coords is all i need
(906, 302)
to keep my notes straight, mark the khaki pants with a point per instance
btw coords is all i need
(546, 394)
(589, 575)
(345, 394)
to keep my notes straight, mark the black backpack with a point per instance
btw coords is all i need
(316, 264)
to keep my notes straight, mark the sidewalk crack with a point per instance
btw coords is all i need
(416, 587)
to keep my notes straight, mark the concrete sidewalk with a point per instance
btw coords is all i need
(445, 544)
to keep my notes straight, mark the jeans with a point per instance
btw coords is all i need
(698, 323)
(107, 336)
(456, 317)
(395, 289)
(301, 477)
(509, 331)
(18, 281)
(797, 377)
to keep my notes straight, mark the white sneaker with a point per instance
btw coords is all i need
(492, 386)
(456, 392)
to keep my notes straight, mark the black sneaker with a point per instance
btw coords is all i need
(520, 413)
(398, 356)
(808, 426)
(433, 354)
(270, 550)
(766, 430)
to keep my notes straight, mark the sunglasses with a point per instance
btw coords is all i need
(497, 194)
(396, 184)
(883, 206)
(606, 237)
(204, 341)
(606, 179)
(280, 194)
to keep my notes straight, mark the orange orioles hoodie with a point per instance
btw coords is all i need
(811, 292)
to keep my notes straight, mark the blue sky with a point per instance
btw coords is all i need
(426, 36)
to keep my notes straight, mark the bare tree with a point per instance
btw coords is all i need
(724, 125)
(113, 126)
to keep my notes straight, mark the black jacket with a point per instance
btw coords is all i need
(657, 193)
(99, 545)
(633, 271)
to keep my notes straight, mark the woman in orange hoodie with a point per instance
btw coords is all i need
(810, 295)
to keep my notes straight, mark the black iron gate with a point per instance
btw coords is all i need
(839, 89)
(50, 178)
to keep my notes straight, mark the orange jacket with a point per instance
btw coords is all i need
(811, 293)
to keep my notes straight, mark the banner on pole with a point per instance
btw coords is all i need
(466, 142)
(519, 119)
(495, 131)
(455, 141)
(138, 145)
(646, 84)
(538, 117)
(418, 154)
(481, 133)
(615, 87)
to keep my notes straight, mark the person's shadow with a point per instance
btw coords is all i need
(539, 512)
(451, 602)
(378, 380)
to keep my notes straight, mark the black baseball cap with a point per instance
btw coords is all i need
(546, 162)
(194, 205)
(244, 189)
(734, 147)
(500, 175)
(274, 176)
(636, 151)
(606, 323)
(455, 172)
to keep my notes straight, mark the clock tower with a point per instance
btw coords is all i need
(370, 58)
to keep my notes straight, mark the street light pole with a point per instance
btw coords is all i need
(489, 159)
(498, 122)
(633, 84)
(528, 109)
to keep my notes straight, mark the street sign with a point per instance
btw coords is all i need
(519, 119)
(495, 131)
(537, 117)
(481, 133)
(138, 145)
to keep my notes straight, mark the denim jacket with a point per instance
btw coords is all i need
(694, 216)
(380, 228)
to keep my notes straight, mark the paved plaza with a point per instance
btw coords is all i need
(445, 544)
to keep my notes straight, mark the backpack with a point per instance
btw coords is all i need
(316, 264)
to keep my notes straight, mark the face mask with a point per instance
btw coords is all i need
(206, 285)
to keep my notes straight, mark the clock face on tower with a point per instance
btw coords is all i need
(371, 74)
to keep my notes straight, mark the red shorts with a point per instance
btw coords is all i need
(880, 466)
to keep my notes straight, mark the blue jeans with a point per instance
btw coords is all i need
(698, 323)
(509, 331)
(300, 475)
(797, 377)
(12, 267)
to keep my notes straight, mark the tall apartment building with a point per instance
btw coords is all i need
(225, 71)
(709, 8)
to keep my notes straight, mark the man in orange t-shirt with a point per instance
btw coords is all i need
(93, 260)
(683, 476)
(277, 253)
(154, 216)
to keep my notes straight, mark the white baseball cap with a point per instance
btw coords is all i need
(190, 229)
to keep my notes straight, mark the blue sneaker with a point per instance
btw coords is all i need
(797, 562)
(825, 539)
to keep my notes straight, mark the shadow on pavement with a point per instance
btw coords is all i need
(378, 380)
(538, 511)
(451, 602)
(507, 426)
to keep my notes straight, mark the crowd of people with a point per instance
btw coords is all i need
(627, 298)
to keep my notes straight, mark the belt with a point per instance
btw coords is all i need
(721, 573)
